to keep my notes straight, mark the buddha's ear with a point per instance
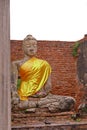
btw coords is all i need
(23, 47)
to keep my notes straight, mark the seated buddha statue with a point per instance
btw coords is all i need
(34, 90)
(35, 73)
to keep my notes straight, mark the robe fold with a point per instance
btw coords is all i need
(34, 74)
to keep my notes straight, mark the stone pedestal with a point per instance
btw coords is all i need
(5, 115)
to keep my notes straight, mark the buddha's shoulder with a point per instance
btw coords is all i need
(43, 61)
(17, 62)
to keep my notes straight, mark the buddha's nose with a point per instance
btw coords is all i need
(31, 49)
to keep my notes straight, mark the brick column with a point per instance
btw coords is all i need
(5, 108)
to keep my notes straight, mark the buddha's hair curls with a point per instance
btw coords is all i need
(29, 37)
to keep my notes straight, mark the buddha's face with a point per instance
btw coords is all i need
(30, 47)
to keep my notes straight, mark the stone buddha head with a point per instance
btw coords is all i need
(29, 46)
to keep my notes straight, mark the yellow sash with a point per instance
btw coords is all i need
(34, 74)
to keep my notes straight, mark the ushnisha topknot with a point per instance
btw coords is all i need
(29, 37)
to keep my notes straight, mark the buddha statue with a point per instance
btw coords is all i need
(34, 73)
(35, 82)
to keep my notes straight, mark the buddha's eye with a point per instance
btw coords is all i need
(35, 45)
(28, 46)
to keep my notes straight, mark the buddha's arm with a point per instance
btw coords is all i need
(14, 73)
(45, 90)
(14, 78)
(48, 85)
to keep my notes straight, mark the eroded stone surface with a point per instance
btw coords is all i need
(82, 75)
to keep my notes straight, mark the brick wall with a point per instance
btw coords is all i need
(64, 65)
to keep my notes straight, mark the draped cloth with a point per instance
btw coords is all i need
(34, 74)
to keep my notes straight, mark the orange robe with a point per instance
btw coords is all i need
(34, 74)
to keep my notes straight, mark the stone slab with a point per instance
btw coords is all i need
(73, 126)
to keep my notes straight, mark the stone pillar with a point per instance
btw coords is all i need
(5, 108)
